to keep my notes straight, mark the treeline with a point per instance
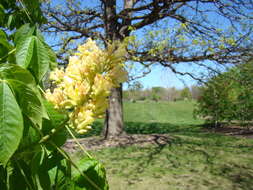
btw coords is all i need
(136, 92)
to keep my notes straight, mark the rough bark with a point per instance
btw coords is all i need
(114, 123)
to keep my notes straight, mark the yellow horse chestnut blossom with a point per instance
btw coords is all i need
(83, 87)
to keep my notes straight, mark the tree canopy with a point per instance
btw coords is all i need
(159, 31)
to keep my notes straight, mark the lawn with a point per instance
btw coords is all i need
(154, 117)
(192, 160)
(189, 162)
(179, 112)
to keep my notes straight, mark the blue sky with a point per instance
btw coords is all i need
(163, 77)
(160, 76)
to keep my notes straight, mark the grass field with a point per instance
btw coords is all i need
(179, 112)
(154, 117)
(193, 160)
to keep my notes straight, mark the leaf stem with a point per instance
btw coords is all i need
(53, 131)
(77, 142)
(9, 53)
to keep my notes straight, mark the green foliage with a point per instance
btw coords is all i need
(31, 52)
(94, 172)
(31, 131)
(11, 123)
(20, 13)
(162, 94)
(185, 93)
(228, 96)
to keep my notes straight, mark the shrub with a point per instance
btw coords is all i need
(228, 96)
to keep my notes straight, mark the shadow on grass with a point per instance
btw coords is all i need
(147, 128)
(189, 148)
(241, 176)
(192, 134)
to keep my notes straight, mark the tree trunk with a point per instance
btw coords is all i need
(113, 125)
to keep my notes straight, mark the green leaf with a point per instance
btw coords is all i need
(39, 169)
(52, 56)
(2, 15)
(28, 101)
(24, 51)
(55, 120)
(30, 139)
(11, 123)
(4, 40)
(59, 138)
(93, 170)
(54, 159)
(54, 115)
(40, 60)
(15, 72)
(21, 177)
(3, 178)
(10, 20)
(13, 183)
(24, 31)
(5, 47)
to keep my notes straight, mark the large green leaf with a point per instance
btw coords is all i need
(52, 56)
(28, 101)
(94, 171)
(24, 51)
(24, 31)
(40, 60)
(15, 72)
(11, 71)
(11, 123)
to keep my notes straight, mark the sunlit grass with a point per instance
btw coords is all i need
(180, 112)
(204, 161)
(193, 160)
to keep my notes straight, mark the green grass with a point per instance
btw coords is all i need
(154, 117)
(179, 112)
(204, 162)
(193, 160)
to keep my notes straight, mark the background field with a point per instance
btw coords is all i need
(192, 160)
(147, 117)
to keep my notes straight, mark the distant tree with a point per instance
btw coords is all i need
(157, 93)
(134, 91)
(185, 94)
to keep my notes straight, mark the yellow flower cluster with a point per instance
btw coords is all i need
(83, 87)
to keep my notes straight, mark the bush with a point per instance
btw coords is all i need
(228, 96)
